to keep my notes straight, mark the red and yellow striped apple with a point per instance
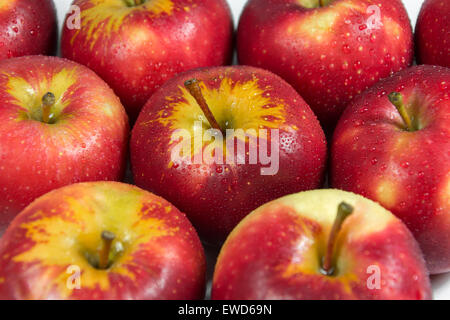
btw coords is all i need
(401, 158)
(267, 116)
(432, 34)
(321, 244)
(328, 50)
(27, 27)
(101, 240)
(61, 124)
(137, 45)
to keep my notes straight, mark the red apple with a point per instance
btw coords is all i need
(432, 33)
(298, 247)
(27, 27)
(137, 45)
(217, 193)
(401, 158)
(329, 51)
(60, 124)
(101, 240)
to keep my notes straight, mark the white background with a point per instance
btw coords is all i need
(441, 284)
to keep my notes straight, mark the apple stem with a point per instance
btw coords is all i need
(195, 90)
(48, 101)
(396, 99)
(107, 238)
(321, 3)
(344, 210)
(133, 3)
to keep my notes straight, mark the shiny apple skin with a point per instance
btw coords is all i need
(149, 44)
(275, 253)
(27, 27)
(432, 34)
(87, 143)
(216, 197)
(406, 172)
(281, 36)
(162, 258)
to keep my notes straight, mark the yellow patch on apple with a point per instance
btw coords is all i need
(105, 17)
(445, 195)
(31, 97)
(249, 108)
(7, 4)
(77, 230)
(319, 24)
(385, 192)
(320, 207)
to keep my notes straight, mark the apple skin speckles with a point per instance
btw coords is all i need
(87, 142)
(275, 252)
(346, 35)
(215, 196)
(136, 49)
(27, 27)
(406, 172)
(158, 253)
(432, 34)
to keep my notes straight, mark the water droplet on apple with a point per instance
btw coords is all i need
(364, 110)
(346, 48)
(381, 93)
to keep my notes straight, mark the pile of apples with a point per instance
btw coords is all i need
(332, 81)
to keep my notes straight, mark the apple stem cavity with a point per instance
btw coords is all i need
(396, 99)
(195, 91)
(344, 210)
(324, 3)
(48, 101)
(133, 3)
(107, 237)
